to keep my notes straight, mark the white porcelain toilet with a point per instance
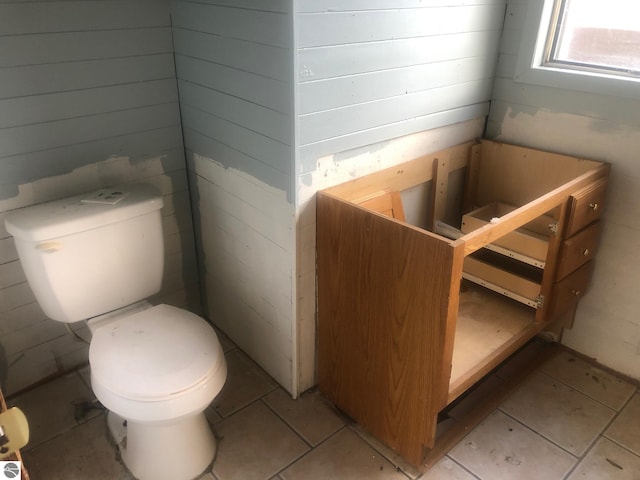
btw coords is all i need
(97, 257)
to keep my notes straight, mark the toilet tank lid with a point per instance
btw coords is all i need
(56, 219)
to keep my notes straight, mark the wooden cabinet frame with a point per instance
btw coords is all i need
(397, 341)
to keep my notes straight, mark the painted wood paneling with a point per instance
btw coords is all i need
(263, 27)
(595, 126)
(265, 60)
(241, 112)
(368, 71)
(50, 107)
(315, 127)
(52, 48)
(65, 77)
(245, 232)
(325, 6)
(235, 77)
(88, 98)
(340, 60)
(42, 136)
(269, 93)
(339, 28)
(69, 16)
(259, 147)
(336, 92)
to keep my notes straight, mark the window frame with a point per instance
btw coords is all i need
(531, 69)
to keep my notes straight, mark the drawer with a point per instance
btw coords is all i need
(568, 291)
(578, 250)
(586, 206)
(532, 240)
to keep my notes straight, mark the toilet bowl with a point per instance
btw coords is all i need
(97, 257)
(158, 368)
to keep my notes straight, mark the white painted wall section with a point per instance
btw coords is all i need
(246, 261)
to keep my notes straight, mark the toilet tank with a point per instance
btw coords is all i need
(90, 254)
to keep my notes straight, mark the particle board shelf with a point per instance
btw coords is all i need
(400, 335)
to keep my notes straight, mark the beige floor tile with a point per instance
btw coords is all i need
(85, 375)
(343, 456)
(607, 461)
(309, 415)
(226, 344)
(447, 469)
(51, 408)
(625, 429)
(589, 379)
(395, 459)
(558, 412)
(502, 449)
(245, 383)
(80, 454)
(212, 415)
(255, 444)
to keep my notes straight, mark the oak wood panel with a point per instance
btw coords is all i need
(531, 210)
(571, 289)
(504, 279)
(532, 240)
(517, 175)
(401, 177)
(384, 293)
(587, 206)
(389, 204)
(578, 250)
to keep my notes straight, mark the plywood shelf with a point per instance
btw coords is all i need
(487, 329)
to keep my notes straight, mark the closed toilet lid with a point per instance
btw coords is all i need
(154, 353)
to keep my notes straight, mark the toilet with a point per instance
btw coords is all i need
(156, 368)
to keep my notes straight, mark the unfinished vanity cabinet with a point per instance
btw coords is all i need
(409, 319)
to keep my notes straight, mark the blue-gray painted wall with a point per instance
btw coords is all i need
(366, 72)
(233, 62)
(370, 71)
(82, 81)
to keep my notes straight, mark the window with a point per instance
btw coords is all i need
(587, 45)
(596, 35)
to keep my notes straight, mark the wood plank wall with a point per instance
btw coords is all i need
(233, 62)
(234, 68)
(369, 71)
(88, 98)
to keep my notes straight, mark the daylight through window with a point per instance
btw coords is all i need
(596, 35)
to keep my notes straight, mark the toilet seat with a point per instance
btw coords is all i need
(156, 354)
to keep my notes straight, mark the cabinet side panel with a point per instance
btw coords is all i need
(383, 298)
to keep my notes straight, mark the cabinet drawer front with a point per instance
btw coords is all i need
(578, 250)
(586, 206)
(567, 292)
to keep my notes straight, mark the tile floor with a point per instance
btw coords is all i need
(569, 420)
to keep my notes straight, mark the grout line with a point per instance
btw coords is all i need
(460, 465)
(635, 389)
(286, 422)
(539, 434)
(308, 452)
(620, 445)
